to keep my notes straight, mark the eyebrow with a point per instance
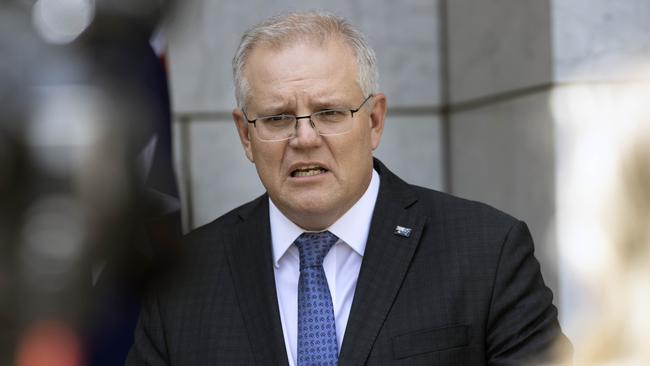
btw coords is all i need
(325, 99)
(327, 104)
(273, 110)
(318, 103)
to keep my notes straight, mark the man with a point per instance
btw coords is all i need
(341, 261)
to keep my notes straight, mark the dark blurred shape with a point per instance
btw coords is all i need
(122, 47)
(88, 200)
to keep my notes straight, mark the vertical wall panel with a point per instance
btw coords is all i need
(221, 176)
(501, 149)
(412, 148)
(497, 45)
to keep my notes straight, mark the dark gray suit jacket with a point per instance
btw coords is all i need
(463, 289)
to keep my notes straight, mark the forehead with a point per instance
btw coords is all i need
(303, 67)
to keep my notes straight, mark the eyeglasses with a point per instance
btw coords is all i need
(328, 122)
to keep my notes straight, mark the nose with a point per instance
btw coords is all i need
(306, 133)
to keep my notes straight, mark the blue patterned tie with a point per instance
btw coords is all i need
(316, 327)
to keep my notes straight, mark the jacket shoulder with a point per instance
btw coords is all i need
(439, 206)
(209, 239)
(451, 208)
(225, 222)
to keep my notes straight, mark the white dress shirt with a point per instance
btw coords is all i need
(341, 264)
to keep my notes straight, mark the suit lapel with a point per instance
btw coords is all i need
(251, 265)
(385, 263)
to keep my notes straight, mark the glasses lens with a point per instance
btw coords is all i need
(332, 121)
(276, 127)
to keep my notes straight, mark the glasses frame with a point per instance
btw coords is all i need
(311, 123)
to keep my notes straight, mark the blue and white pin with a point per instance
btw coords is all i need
(402, 231)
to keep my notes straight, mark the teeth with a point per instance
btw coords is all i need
(308, 172)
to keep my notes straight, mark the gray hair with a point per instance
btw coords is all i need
(315, 26)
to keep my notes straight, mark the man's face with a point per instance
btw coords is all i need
(312, 179)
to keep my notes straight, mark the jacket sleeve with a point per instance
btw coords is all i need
(149, 347)
(522, 326)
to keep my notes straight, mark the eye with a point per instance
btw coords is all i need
(332, 115)
(279, 120)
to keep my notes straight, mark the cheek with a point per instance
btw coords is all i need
(268, 162)
(362, 146)
(353, 156)
(358, 155)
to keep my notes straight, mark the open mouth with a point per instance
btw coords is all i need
(308, 172)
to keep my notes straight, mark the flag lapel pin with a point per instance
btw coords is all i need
(402, 231)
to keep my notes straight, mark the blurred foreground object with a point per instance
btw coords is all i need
(606, 215)
(49, 344)
(79, 187)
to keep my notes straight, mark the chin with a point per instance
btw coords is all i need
(313, 206)
(322, 204)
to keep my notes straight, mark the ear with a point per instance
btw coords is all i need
(244, 133)
(377, 117)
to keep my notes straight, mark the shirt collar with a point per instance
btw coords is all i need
(352, 227)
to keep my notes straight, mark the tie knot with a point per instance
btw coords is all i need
(313, 247)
